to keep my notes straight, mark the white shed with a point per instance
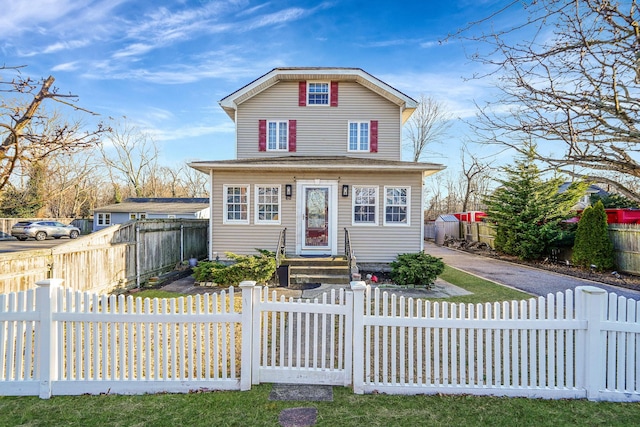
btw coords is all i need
(447, 225)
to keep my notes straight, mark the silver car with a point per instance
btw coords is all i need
(40, 230)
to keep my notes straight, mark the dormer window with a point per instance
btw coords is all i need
(318, 93)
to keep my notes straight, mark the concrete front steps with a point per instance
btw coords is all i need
(303, 271)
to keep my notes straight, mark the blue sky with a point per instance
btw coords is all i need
(166, 64)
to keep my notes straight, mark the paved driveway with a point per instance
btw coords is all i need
(528, 279)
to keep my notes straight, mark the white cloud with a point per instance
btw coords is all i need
(134, 49)
(190, 131)
(21, 16)
(67, 66)
(68, 45)
(446, 87)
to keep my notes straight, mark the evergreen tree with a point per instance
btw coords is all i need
(25, 203)
(592, 245)
(614, 201)
(528, 211)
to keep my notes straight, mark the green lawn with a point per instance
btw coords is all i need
(253, 408)
(483, 290)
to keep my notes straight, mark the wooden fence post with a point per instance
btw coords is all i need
(593, 307)
(247, 334)
(358, 288)
(47, 346)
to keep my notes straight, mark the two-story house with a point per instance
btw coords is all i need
(318, 154)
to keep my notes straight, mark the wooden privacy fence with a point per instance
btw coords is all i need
(581, 344)
(626, 242)
(122, 255)
(625, 239)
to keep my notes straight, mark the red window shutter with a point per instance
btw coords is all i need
(292, 135)
(302, 94)
(334, 94)
(373, 137)
(262, 135)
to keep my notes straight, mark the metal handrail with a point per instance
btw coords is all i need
(282, 245)
(348, 251)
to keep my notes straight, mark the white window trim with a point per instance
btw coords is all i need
(384, 212)
(257, 219)
(368, 122)
(137, 215)
(225, 218)
(328, 83)
(353, 206)
(277, 121)
(104, 219)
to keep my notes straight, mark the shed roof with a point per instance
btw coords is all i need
(152, 205)
(447, 218)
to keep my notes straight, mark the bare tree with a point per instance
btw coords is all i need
(475, 178)
(29, 133)
(428, 125)
(569, 76)
(196, 183)
(74, 184)
(130, 156)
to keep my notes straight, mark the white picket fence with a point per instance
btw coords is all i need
(561, 346)
(581, 344)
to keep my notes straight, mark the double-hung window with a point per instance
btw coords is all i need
(267, 204)
(365, 205)
(277, 135)
(318, 93)
(236, 204)
(396, 205)
(104, 219)
(359, 136)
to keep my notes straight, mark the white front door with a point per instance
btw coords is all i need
(317, 217)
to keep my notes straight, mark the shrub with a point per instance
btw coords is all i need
(592, 245)
(260, 268)
(203, 272)
(418, 269)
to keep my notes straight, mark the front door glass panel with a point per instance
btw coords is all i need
(316, 217)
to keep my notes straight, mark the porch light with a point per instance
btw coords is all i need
(345, 191)
(288, 190)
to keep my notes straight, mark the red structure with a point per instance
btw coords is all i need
(623, 216)
(470, 216)
(617, 216)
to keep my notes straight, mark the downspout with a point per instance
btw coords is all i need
(422, 187)
(400, 135)
(211, 215)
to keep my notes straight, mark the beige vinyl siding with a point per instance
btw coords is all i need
(243, 239)
(381, 243)
(321, 130)
(370, 243)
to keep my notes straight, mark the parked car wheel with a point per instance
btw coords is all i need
(41, 235)
(74, 234)
(22, 239)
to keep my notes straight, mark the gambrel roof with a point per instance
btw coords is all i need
(230, 102)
